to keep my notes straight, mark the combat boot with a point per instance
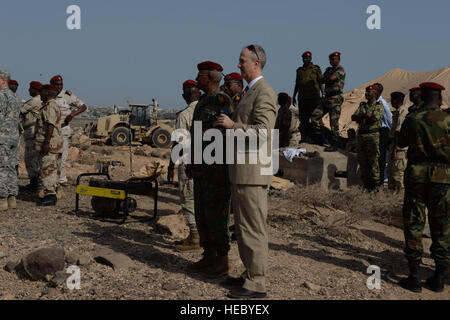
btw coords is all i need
(59, 193)
(220, 268)
(33, 185)
(412, 283)
(437, 281)
(12, 203)
(48, 200)
(191, 243)
(3, 204)
(208, 258)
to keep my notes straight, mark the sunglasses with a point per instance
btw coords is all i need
(253, 49)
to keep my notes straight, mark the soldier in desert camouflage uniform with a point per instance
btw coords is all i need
(13, 85)
(368, 116)
(49, 144)
(212, 191)
(9, 141)
(234, 83)
(426, 133)
(334, 79)
(287, 121)
(29, 114)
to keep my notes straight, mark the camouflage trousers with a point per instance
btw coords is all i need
(212, 214)
(306, 107)
(8, 173)
(436, 198)
(49, 173)
(287, 138)
(368, 153)
(396, 171)
(65, 151)
(186, 189)
(31, 156)
(332, 106)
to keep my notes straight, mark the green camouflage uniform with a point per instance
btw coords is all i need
(368, 143)
(307, 84)
(212, 193)
(426, 133)
(332, 102)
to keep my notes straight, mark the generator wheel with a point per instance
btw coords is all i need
(120, 136)
(161, 138)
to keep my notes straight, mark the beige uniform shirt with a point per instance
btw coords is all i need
(184, 118)
(295, 120)
(50, 115)
(68, 102)
(30, 110)
(398, 116)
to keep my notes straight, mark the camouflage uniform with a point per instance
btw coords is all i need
(426, 133)
(9, 141)
(368, 143)
(31, 110)
(185, 185)
(49, 163)
(332, 102)
(212, 193)
(308, 85)
(67, 102)
(287, 123)
(396, 168)
(235, 101)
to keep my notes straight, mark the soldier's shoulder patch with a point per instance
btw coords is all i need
(69, 93)
(223, 98)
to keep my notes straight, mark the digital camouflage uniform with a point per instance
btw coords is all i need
(308, 83)
(287, 123)
(212, 193)
(30, 111)
(9, 141)
(332, 102)
(368, 143)
(426, 133)
(185, 185)
(67, 102)
(396, 168)
(49, 163)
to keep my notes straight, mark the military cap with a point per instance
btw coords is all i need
(284, 95)
(5, 74)
(431, 86)
(55, 78)
(189, 84)
(13, 82)
(209, 66)
(397, 95)
(372, 87)
(51, 87)
(306, 54)
(335, 54)
(414, 89)
(35, 85)
(234, 76)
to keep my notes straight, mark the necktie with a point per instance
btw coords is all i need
(244, 92)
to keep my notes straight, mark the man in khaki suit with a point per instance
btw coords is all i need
(256, 111)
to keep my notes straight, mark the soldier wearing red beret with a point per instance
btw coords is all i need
(13, 85)
(308, 87)
(234, 83)
(427, 187)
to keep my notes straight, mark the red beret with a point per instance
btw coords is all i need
(13, 82)
(414, 89)
(55, 78)
(233, 76)
(189, 84)
(50, 87)
(35, 85)
(373, 87)
(210, 66)
(432, 86)
(284, 95)
(335, 54)
(307, 53)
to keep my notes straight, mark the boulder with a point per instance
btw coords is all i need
(73, 154)
(173, 224)
(42, 262)
(113, 259)
(84, 142)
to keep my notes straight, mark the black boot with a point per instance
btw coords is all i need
(437, 281)
(33, 185)
(49, 200)
(412, 283)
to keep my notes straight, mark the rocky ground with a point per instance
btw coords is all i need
(309, 257)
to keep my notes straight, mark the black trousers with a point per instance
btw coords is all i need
(384, 148)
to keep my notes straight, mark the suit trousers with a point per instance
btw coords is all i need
(250, 215)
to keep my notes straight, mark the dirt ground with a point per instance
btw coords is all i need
(306, 261)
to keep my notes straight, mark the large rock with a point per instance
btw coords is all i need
(44, 262)
(173, 224)
(73, 154)
(113, 259)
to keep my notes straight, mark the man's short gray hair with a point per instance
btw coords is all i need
(215, 76)
(5, 74)
(258, 54)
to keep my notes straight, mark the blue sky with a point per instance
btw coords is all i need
(144, 49)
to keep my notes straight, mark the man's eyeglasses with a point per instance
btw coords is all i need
(253, 49)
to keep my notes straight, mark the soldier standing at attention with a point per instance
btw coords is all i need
(9, 141)
(368, 116)
(191, 94)
(334, 79)
(287, 120)
(49, 144)
(212, 193)
(29, 114)
(67, 101)
(308, 86)
(233, 87)
(397, 163)
(415, 97)
(13, 85)
(426, 133)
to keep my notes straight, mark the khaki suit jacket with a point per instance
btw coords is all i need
(256, 110)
